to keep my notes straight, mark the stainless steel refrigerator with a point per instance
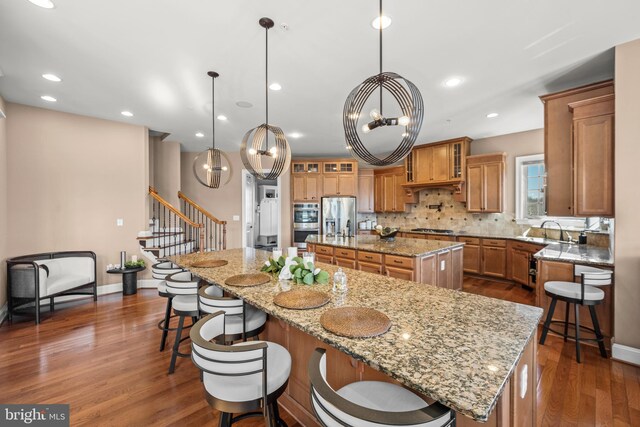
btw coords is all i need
(338, 216)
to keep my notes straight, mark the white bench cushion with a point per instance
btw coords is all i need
(65, 273)
(572, 290)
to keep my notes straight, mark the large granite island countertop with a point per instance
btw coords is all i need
(454, 347)
(400, 246)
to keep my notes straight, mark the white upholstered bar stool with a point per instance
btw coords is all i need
(240, 378)
(370, 403)
(183, 287)
(586, 293)
(241, 321)
(160, 271)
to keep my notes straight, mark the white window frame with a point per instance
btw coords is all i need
(565, 222)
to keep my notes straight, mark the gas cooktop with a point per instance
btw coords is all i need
(432, 230)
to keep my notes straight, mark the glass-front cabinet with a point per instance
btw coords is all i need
(305, 167)
(338, 167)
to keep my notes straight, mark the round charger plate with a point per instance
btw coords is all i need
(210, 263)
(251, 279)
(301, 299)
(355, 322)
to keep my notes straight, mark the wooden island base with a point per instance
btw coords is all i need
(516, 406)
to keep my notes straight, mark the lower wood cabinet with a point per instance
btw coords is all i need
(494, 261)
(520, 266)
(399, 273)
(369, 267)
(342, 262)
(324, 258)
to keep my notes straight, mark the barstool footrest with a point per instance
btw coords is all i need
(161, 324)
(586, 328)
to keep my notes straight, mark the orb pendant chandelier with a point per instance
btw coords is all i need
(208, 166)
(409, 100)
(262, 161)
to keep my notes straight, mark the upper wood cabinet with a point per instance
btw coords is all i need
(389, 195)
(306, 188)
(593, 156)
(485, 183)
(339, 167)
(305, 167)
(437, 163)
(365, 191)
(558, 145)
(339, 185)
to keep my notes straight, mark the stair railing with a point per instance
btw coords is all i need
(171, 223)
(215, 230)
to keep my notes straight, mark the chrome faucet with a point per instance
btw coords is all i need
(553, 222)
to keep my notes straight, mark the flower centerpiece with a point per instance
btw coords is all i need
(294, 268)
(387, 233)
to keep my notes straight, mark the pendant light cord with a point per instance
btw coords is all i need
(380, 31)
(266, 87)
(213, 111)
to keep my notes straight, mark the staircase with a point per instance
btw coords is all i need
(175, 232)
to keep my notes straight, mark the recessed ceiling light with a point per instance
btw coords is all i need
(492, 115)
(244, 104)
(275, 86)
(200, 135)
(52, 77)
(221, 117)
(48, 98)
(295, 135)
(381, 22)
(127, 113)
(453, 82)
(47, 4)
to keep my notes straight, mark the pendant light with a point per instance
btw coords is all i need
(207, 166)
(406, 95)
(255, 143)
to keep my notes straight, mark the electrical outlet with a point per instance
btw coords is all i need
(442, 265)
(119, 222)
(236, 217)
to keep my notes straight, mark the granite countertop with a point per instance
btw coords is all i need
(553, 250)
(455, 347)
(576, 254)
(400, 246)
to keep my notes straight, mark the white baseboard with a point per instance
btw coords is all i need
(626, 354)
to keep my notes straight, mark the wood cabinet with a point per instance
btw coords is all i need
(494, 261)
(389, 195)
(472, 255)
(309, 166)
(339, 185)
(437, 163)
(593, 156)
(339, 166)
(365, 191)
(520, 266)
(307, 187)
(485, 183)
(558, 145)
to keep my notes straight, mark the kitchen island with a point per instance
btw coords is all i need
(426, 261)
(474, 354)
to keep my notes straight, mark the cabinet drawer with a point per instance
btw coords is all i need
(494, 242)
(440, 237)
(399, 273)
(370, 267)
(324, 259)
(469, 240)
(370, 257)
(345, 253)
(399, 261)
(325, 250)
(528, 247)
(348, 263)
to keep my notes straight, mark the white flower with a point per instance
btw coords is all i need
(316, 271)
(267, 263)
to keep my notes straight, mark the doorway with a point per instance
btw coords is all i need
(261, 207)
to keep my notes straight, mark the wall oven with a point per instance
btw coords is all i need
(306, 221)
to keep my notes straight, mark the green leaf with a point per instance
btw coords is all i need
(297, 260)
(298, 273)
(292, 268)
(281, 261)
(308, 279)
(322, 277)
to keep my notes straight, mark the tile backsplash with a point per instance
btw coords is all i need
(453, 216)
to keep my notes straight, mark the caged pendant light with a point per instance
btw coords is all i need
(255, 143)
(207, 166)
(406, 95)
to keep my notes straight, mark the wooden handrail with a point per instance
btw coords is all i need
(153, 193)
(199, 208)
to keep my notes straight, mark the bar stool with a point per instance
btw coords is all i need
(370, 403)
(586, 293)
(239, 378)
(160, 271)
(183, 287)
(241, 321)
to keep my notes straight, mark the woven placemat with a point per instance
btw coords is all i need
(252, 279)
(355, 322)
(301, 299)
(210, 263)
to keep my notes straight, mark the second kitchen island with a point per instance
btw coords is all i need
(430, 262)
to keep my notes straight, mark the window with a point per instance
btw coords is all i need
(530, 187)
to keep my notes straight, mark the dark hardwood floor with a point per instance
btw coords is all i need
(102, 358)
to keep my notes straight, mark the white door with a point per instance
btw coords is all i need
(249, 209)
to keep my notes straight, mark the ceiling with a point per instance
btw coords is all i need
(150, 57)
